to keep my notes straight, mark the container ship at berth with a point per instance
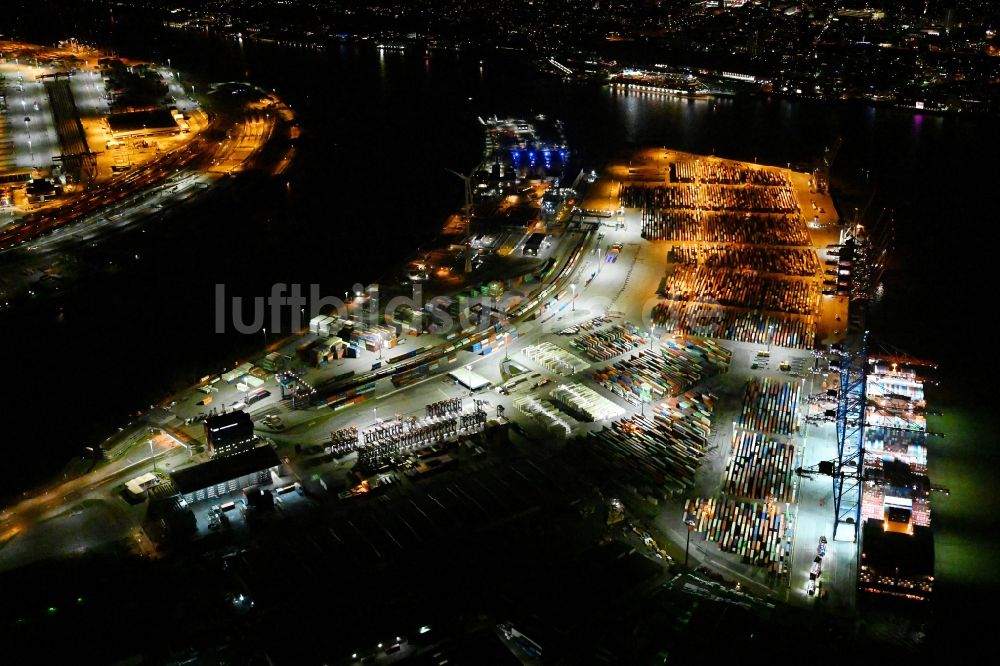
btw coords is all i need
(885, 421)
(897, 548)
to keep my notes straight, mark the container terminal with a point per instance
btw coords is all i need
(92, 143)
(683, 332)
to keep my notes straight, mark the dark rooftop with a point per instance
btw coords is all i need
(221, 470)
(134, 121)
(214, 424)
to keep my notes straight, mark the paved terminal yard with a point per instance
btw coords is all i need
(29, 139)
(626, 287)
(815, 217)
(617, 280)
(57, 105)
(104, 174)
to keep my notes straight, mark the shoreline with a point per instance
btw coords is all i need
(627, 88)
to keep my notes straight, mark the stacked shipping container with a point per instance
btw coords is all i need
(659, 452)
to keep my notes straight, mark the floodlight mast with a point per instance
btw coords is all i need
(467, 207)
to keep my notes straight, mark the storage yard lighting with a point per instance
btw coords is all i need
(687, 547)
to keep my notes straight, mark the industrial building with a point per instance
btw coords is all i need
(469, 379)
(222, 476)
(138, 487)
(533, 244)
(228, 434)
(40, 190)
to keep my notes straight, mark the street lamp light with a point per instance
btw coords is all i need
(469, 368)
(687, 547)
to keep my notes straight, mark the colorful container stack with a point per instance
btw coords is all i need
(880, 418)
(770, 406)
(374, 338)
(678, 364)
(659, 453)
(410, 376)
(754, 228)
(610, 342)
(798, 262)
(713, 171)
(742, 288)
(756, 198)
(873, 505)
(908, 446)
(759, 468)
(494, 342)
(715, 321)
(684, 225)
(896, 400)
(697, 358)
(659, 196)
(755, 531)
(899, 384)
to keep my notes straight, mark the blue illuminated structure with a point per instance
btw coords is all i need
(847, 475)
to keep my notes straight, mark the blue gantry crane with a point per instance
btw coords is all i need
(848, 468)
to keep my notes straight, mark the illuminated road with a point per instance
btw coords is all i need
(82, 513)
(107, 203)
(148, 192)
(35, 225)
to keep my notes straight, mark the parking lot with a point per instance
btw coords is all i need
(31, 140)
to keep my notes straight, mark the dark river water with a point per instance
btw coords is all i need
(369, 186)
